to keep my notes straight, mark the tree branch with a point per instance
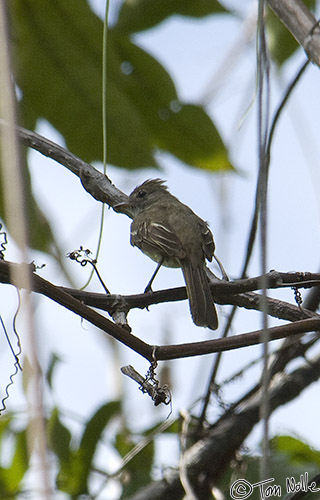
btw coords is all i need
(57, 294)
(64, 298)
(211, 456)
(237, 292)
(94, 182)
(224, 292)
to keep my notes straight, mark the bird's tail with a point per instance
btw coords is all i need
(202, 307)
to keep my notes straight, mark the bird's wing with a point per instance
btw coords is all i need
(156, 238)
(208, 246)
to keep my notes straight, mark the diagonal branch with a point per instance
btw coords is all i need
(95, 182)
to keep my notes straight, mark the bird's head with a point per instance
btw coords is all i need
(142, 197)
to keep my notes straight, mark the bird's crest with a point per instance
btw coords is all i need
(149, 184)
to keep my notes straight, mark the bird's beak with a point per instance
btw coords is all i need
(119, 207)
(123, 207)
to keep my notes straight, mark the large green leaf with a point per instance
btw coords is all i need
(202, 147)
(58, 59)
(94, 429)
(20, 461)
(282, 44)
(59, 438)
(58, 69)
(139, 468)
(184, 130)
(139, 15)
(75, 471)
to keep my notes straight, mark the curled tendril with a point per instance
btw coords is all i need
(149, 384)
(17, 365)
(82, 257)
(3, 242)
(297, 296)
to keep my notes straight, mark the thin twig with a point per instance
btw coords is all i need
(252, 235)
(263, 160)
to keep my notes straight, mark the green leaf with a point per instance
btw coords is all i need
(128, 141)
(139, 15)
(94, 430)
(13, 475)
(184, 130)
(58, 54)
(54, 361)
(282, 44)
(58, 69)
(5, 422)
(201, 147)
(59, 438)
(297, 451)
(39, 232)
(138, 470)
(73, 476)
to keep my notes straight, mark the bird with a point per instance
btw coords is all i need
(171, 234)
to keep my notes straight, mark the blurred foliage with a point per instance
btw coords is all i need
(76, 461)
(57, 49)
(57, 54)
(58, 68)
(283, 467)
(292, 460)
(298, 452)
(282, 44)
(79, 472)
(39, 231)
(13, 466)
(137, 473)
(143, 14)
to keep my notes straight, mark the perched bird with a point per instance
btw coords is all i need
(174, 236)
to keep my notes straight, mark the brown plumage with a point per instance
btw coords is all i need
(173, 235)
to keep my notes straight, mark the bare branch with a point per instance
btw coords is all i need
(64, 298)
(224, 292)
(236, 341)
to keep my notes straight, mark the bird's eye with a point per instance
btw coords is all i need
(141, 193)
